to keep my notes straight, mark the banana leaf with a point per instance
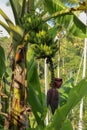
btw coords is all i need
(73, 25)
(54, 5)
(19, 8)
(32, 76)
(13, 5)
(2, 62)
(66, 18)
(5, 26)
(10, 27)
(5, 17)
(34, 92)
(23, 8)
(17, 30)
(67, 125)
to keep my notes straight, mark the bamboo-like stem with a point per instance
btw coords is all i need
(46, 87)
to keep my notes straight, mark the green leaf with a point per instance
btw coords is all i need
(54, 5)
(23, 7)
(2, 54)
(64, 91)
(32, 77)
(79, 24)
(77, 93)
(32, 129)
(17, 20)
(2, 62)
(66, 18)
(72, 24)
(53, 31)
(35, 104)
(34, 92)
(5, 17)
(17, 30)
(5, 26)
(37, 128)
(67, 125)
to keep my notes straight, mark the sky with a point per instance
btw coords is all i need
(3, 1)
(83, 18)
(9, 13)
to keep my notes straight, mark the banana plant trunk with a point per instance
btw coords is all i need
(17, 118)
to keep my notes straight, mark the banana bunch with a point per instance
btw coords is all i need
(44, 51)
(39, 36)
(31, 22)
(44, 37)
(41, 33)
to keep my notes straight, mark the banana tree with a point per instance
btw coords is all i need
(28, 28)
(16, 117)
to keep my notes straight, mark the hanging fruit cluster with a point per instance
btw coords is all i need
(44, 46)
(31, 22)
(39, 36)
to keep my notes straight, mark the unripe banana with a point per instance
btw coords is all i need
(29, 20)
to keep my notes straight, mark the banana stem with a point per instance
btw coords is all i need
(52, 72)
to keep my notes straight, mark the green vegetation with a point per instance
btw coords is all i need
(32, 40)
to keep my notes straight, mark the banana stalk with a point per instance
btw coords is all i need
(49, 60)
(19, 85)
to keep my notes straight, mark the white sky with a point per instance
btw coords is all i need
(83, 17)
(8, 11)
